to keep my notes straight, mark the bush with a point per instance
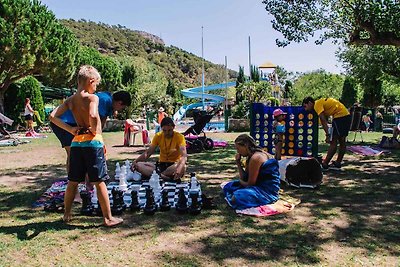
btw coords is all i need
(15, 99)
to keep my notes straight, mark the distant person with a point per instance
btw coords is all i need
(378, 121)
(367, 121)
(396, 130)
(160, 116)
(259, 180)
(87, 147)
(326, 107)
(28, 114)
(278, 127)
(173, 155)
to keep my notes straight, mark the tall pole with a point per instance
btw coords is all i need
(249, 58)
(202, 68)
(226, 112)
(226, 82)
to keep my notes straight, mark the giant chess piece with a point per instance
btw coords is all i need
(118, 202)
(150, 207)
(98, 211)
(165, 206)
(181, 206)
(87, 207)
(135, 206)
(195, 207)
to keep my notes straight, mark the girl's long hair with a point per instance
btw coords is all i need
(27, 100)
(249, 142)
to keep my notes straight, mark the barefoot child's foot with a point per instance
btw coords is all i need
(67, 218)
(112, 222)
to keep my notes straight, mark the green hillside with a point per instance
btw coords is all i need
(179, 66)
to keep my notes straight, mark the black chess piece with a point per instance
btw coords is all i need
(98, 211)
(135, 206)
(195, 207)
(118, 202)
(150, 207)
(181, 205)
(87, 207)
(207, 202)
(165, 206)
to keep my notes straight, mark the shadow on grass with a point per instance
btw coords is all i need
(362, 201)
(359, 206)
(31, 230)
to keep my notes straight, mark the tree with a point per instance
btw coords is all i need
(171, 90)
(317, 84)
(254, 74)
(108, 68)
(28, 87)
(240, 78)
(370, 66)
(33, 42)
(349, 92)
(368, 22)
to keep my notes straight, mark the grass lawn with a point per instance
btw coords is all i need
(351, 220)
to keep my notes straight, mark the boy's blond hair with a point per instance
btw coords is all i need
(88, 72)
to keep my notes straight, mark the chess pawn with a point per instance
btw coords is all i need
(87, 207)
(135, 206)
(165, 206)
(136, 176)
(94, 195)
(150, 207)
(181, 205)
(194, 185)
(195, 207)
(117, 171)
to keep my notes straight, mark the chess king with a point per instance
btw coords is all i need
(173, 155)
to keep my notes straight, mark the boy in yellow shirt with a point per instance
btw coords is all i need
(326, 107)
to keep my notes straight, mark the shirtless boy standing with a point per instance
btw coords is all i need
(87, 153)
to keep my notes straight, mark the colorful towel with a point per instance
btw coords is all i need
(54, 193)
(220, 143)
(283, 205)
(365, 150)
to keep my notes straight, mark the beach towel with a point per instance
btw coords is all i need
(366, 150)
(285, 204)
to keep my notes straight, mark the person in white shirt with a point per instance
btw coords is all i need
(28, 113)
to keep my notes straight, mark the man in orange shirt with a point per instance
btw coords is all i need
(160, 116)
(326, 107)
(173, 155)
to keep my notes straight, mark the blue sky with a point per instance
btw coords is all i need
(227, 25)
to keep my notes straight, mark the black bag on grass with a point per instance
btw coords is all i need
(301, 172)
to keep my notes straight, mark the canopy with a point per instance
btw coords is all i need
(267, 65)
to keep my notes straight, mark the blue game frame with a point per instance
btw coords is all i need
(301, 137)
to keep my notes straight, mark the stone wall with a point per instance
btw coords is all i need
(239, 125)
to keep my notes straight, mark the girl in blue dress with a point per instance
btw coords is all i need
(259, 179)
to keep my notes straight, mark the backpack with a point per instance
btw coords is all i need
(301, 172)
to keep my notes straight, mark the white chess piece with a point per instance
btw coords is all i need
(136, 176)
(194, 184)
(117, 171)
(123, 186)
(155, 185)
(94, 196)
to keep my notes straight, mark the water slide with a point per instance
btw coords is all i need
(197, 92)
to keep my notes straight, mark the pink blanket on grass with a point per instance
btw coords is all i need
(283, 205)
(365, 150)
